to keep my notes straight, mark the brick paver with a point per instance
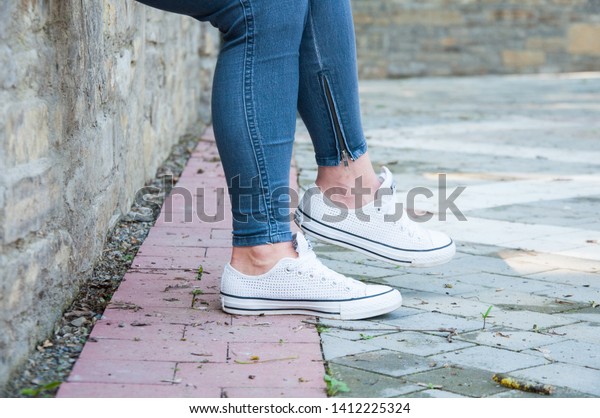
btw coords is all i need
(164, 333)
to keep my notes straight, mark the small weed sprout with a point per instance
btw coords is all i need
(335, 386)
(486, 315)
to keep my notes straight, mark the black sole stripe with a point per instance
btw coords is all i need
(281, 310)
(356, 246)
(367, 239)
(308, 300)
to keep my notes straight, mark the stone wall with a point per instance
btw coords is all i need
(93, 94)
(402, 38)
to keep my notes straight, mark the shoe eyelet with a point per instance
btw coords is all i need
(299, 273)
(323, 279)
(311, 276)
(348, 288)
(288, 270)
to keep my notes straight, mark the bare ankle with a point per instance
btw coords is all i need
(353, 186)
(259, 259)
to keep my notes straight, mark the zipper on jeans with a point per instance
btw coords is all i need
(336, 123)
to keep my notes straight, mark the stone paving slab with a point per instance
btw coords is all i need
(527, 149)
(465, 381)
(334, 347)
(570, 376)
(365, 384)
(492, 359)
(418, 343)
(510, 339)
(572, 352)
(164, 333)
(387, 362)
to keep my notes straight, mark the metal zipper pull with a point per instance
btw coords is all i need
(345, 158)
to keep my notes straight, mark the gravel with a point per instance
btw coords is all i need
(54, 357)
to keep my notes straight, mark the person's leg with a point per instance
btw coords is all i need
(328, 100)
(255, 90)
(254, 100)
(329, 105)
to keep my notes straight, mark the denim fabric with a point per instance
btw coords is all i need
(277, 57)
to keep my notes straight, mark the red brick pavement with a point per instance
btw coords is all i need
(154, 341)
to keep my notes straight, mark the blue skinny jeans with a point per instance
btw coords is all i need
(278, 57)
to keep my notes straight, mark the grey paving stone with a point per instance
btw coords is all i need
(332, 252)
(575, 294)
(561, 212)
(435, 393)
(417, 343)
(434, 321)
(451, 305)
(541, 245)
(509, 339)
(577, 378)
(583, 237)
(351, 330)
(365, 384)
(588, 252)
(404, 312)
(390, 363)
(466, 381)
(357, 270)
(334, 347)
(571, 352)
(463, 265)
(514, 213)
(586, 314)
(572, 278)
(478, 249)
(555, 261)
(429, 283)
(489, 358)
(583, 331)
(527, 320)
(558, 392)
(472, 309)
(498, 281)
(514, 266)
(515, 300)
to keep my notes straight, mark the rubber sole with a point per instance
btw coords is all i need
(416, 258)
(359, 308)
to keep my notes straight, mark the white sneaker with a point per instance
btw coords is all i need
(402, 242)
(304, 286)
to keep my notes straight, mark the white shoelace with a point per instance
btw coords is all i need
(388, 207)
(310, 265)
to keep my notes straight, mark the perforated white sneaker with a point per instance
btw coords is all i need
(372, 229)
(304, 285)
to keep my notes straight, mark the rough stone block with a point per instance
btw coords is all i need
(30, 201)
(523, 59)
(584, 39)
(27, 132)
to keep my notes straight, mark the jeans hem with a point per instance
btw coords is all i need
(335, 161)
(262, 239)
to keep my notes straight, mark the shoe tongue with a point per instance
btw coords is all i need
(301, 244)
(387, 179)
